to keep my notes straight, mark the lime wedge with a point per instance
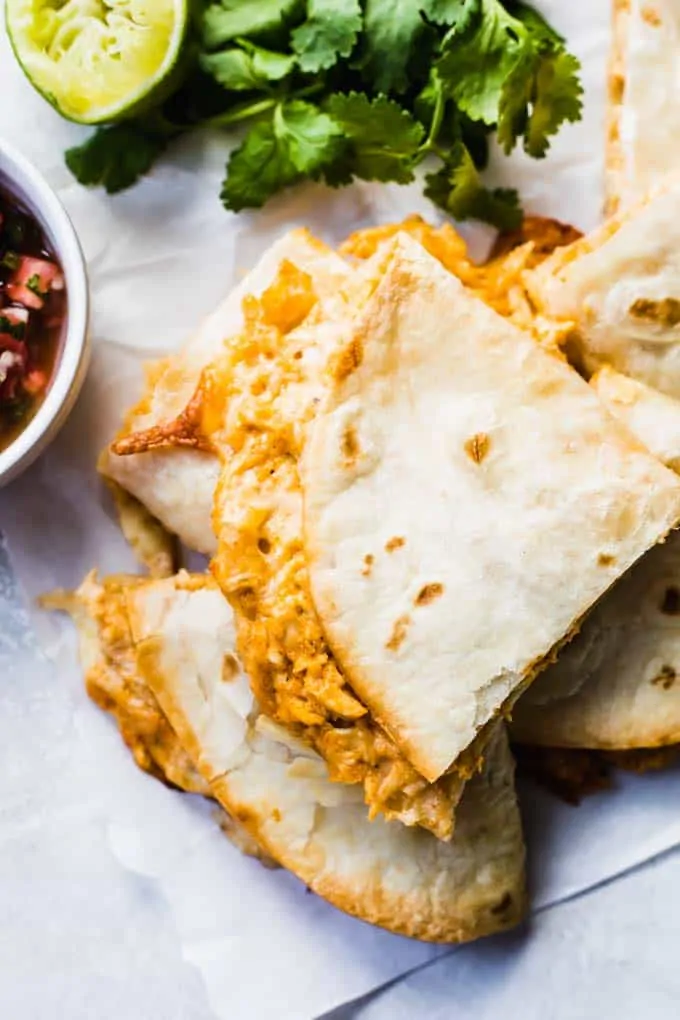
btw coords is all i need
(98, 61)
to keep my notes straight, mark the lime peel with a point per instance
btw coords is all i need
(99, 61)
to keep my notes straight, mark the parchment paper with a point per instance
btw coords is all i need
(79, 824)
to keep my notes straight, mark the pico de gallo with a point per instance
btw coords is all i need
(32, 315)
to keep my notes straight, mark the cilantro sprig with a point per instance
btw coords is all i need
(335, 90)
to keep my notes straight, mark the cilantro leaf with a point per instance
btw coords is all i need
(557, 99)
(541, 93)
(299, 141)
(392, 29)
(382, 138)
(227, 21)
(543, 33)
(458, 189)
(116, 157)
(458, 14)
(330, 31)
(475, 63)
(247, 67)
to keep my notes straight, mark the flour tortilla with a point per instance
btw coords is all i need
(620, 289)
(278, 791)
(617, 685)
(492, 496)
(651, 416)
(177, 483)
(643, 141)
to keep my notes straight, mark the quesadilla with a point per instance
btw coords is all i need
(619, 288)
(467, 501)
(158, 456)
(617, 685)
(179, 643)
(161, 458)
(644, 112)
(257, 399)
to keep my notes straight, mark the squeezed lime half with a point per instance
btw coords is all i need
(98, 61)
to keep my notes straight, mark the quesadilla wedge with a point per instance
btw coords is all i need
(619, 287)
(467, 500)
(159, 455)
(257, 399)
(643, 112)
(181, 635)
(617, 685)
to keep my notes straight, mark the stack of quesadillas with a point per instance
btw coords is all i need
(411, 503)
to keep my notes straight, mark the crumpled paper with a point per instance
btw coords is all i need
(103, 862)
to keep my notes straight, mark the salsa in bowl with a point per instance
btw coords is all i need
(43, 314)
(32, 316)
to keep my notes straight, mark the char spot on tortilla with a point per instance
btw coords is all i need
(230, 668)
(605, 560)
(428, 593)
(665, 312)
(651, 16)
(349, 444)
(369, 560)
(395, 543)
(398, 634)
(665, 678)
(477, 447)
(671, 601)
(347, 360)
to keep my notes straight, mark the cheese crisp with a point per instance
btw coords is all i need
(467, 501)
(179, 655)
(644, 83)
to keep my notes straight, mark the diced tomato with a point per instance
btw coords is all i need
(35, 381)
(32, 281)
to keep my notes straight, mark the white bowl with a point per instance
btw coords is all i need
(24, 181)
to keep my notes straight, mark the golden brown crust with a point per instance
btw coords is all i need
(112, 679)
(183, 431)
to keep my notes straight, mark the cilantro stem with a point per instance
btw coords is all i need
(263, 106)
(429, 145)
(242, 113)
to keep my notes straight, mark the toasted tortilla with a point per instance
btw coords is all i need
(619, 287)
(159, 456)
(651, 416)
(401, 879)
(467, 501)
(644, 111)
(617, 685)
